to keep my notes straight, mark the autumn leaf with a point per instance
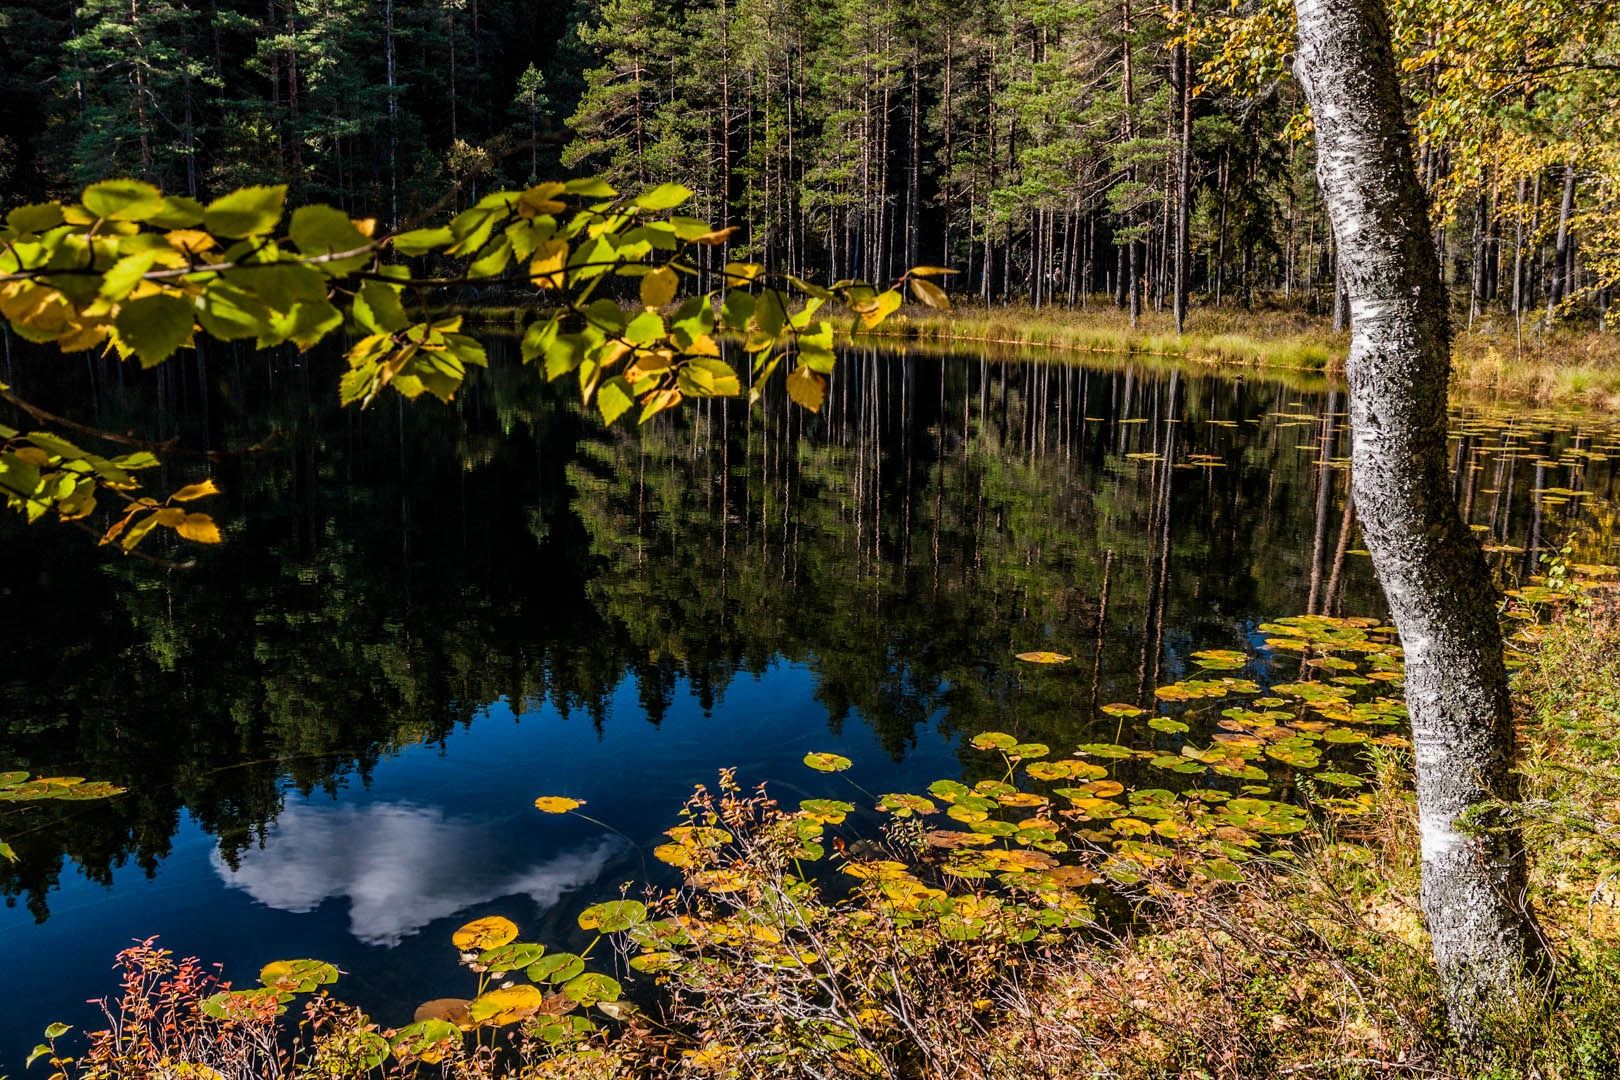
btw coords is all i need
(658, 288)
(195, 491)
(485, 933)
(199, 528)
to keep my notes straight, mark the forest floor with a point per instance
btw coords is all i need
(1322, 969)
(1491, 360)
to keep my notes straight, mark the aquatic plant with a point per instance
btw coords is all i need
(20, 790)
(892, 933)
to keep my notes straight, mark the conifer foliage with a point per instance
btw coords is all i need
(1055, 151)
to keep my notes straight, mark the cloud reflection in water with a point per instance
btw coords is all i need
(400, 866)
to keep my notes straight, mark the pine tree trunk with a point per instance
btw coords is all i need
(393, 117)
(1133, 295)
(1183, 79)
(1220, 232)
(914, 152)
(1432, 570)
(450, 39)
(138, 82)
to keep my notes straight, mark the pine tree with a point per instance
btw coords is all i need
(138, 88)
(616, 122)
(531, 104)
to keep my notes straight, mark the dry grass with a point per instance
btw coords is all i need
(1318, 967)
(1493, 360)
(1276, 339)
(1565, 367)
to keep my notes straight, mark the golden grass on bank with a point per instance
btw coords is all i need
(1278, 339)
(1565, 366)
(1494, 359)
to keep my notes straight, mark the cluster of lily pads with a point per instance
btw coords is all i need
(518, 982)
(1016, 857)
(1023, 854)
(18, 787)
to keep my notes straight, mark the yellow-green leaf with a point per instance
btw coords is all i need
(807, 388)
(886, 304)
(35, 217)
(153, 327)
(664, 197)
(199, 528)
(377, 307)
(249, 211)
(323, 230)
(613, 398)
(122, 200)
(546, 269)
(658, 288)
(195, 491)
(930, 294)
(422, 241)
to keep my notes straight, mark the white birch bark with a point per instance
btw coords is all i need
(1432, 570)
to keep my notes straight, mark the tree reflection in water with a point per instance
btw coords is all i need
(388, 574)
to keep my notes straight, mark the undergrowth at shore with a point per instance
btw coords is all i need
(1063, 916)
(1492, 359)
(1214, 336)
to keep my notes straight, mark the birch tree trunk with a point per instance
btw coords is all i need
(1560, 269)
(1433, 572)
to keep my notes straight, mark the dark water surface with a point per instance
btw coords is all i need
(333, 727)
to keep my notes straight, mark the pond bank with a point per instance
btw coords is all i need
(1493, 361)
(1575, 367)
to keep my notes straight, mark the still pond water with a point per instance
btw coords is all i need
(333, 727)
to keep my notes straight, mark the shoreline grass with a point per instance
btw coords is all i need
(1214, 336)
(1492, 361)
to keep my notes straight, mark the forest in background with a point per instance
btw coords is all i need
(1053, 151)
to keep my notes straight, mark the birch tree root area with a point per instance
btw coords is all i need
(1441, 597)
